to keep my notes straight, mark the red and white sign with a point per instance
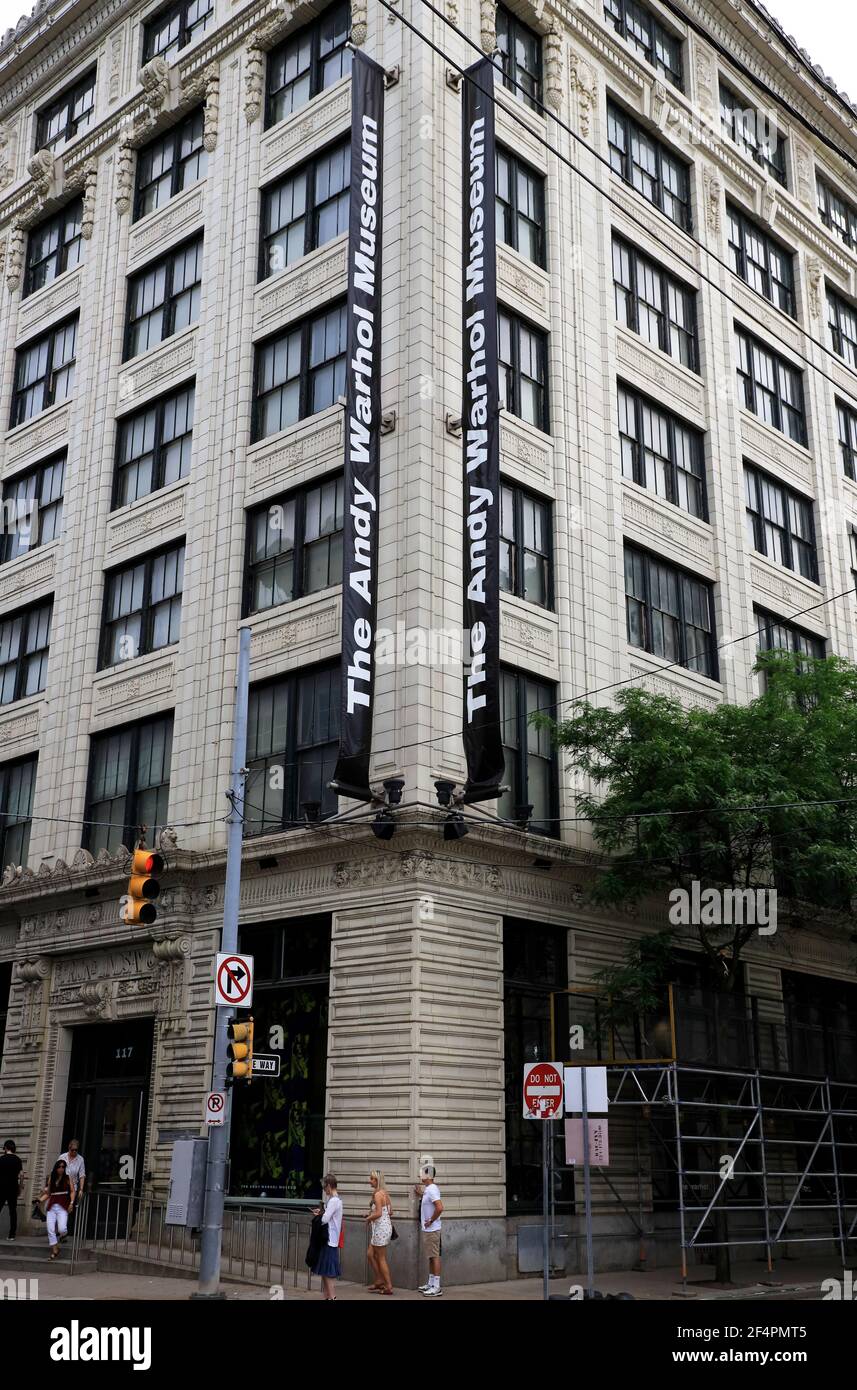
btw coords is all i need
(215, 1108)
(233, 981)
(599, 1148)
(543, 1090)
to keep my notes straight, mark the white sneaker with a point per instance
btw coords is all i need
(423, 1288)
(433, 1293)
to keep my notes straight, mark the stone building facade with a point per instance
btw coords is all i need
(147, 153)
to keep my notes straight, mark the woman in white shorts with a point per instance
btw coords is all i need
(380, 1222)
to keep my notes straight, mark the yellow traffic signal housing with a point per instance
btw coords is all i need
(143, 887)
(240, 1051)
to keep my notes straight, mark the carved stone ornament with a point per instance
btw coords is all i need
(359, 22)
(212, 107)
(769, 203)
(7, 155)
(583, 83)
(254, 77)
(15, 264)
(155, 77)
(553, 67)
(815, 278)
(488, 26)
(124, 174)
(167, 839)
(714, 191)
(32, 972)
(41, 169)
(85, 178)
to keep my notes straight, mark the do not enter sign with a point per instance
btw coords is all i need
(543, 1091)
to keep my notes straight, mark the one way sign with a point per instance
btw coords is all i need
(233, 981)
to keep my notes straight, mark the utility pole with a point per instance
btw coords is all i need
(218, 1138)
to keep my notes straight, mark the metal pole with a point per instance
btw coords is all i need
(218, 1140)
(587, 1186)
(546, 1253)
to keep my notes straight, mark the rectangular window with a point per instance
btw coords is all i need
(67, 115)
(17, 785)
(760, 261)
(292, 746)
(53, 247)
(172, 162)
(32, 508)
(129, 784)
(520, 203)
(294, 545)
(842, 320)
(669, 612)
(44, 372)
(143, 606)
(654, 304)
(520, 50)
(164, 298)
(754, 131)
(305, 209)
(24, 641)
(660, 452)
(837, 214)
(175, 27)
(770, 386)
(523, 369)
(530, 759)
(307, 63)
(779, 523)
(300, 372)
(777, 635)
(847, 419)
(647, 36)
(649, 166)
(153, 446)
(525, 545)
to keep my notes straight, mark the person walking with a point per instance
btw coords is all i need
(327, 1266)
(380, 1223)
(430, 1224)
(58, 1194)
(76, 1169)
(11, 1182)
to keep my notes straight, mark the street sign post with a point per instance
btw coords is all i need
(215, 1108)
(233, 981)
(585, 1091)
(265, 1064)
(543, 1091)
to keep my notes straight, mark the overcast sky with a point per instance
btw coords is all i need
(827, 29)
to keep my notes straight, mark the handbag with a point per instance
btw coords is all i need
(39, 1212)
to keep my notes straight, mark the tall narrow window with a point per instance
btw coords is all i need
(44, 371)
(755, 131)
(770, 386)
(305, 209)
(655, 304)
(846, 417)
(300, 372)
(129, 784)
(649, 166)
(164, 298)
(837, 213)
(292, 745)
(760, 261)
(661, 453)
(171, 163)
(531, 765)
(32, 508)
(520, 51)
(24, 641)
(67, 115)
(669, 612)
(523, 369)
(779, 523)
(17, 786)
(174, 27)
(775, 634)
(143, 606)
(525, 545)
(154, 446)
(643, 32)
(295, 545)
(520, 206)
(54, 246)
(842, 321)
(308, 62)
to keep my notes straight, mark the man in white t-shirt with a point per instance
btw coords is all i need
(76, 1169)
(430, 1211)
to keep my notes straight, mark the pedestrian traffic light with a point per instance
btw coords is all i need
(240, 1051)
(143, 887)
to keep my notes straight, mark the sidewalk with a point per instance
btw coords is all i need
(791, 1279)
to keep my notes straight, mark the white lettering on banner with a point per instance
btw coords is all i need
(476, 259)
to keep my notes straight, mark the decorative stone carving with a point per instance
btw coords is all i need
(82, 859)
(714, 190)
(93, 997)
(815, 278)
(704, 81)
(254, 77)
(659, 100)
(31, 972)
(7, 155)
(85, 178)
(553, 67)
(212, 107)
(155, 77)
(124, 175)
(41, 168)
(15, 266)
(769, 203)
(359, 22)
(170, 949)
(584, 84)
(167, 839)
(488, 26)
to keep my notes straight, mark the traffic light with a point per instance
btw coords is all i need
(240, 1051)
(143, 887)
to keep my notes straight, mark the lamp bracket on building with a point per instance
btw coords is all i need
(453, 424)
(388, 421)
(454, 79)
(392, 75)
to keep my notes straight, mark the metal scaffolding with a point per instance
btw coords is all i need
(746, 1158)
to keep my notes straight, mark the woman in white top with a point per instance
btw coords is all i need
(328, 1265)
(380, 1222)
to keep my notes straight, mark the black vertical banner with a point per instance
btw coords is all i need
(362, 429)
(483, 745)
